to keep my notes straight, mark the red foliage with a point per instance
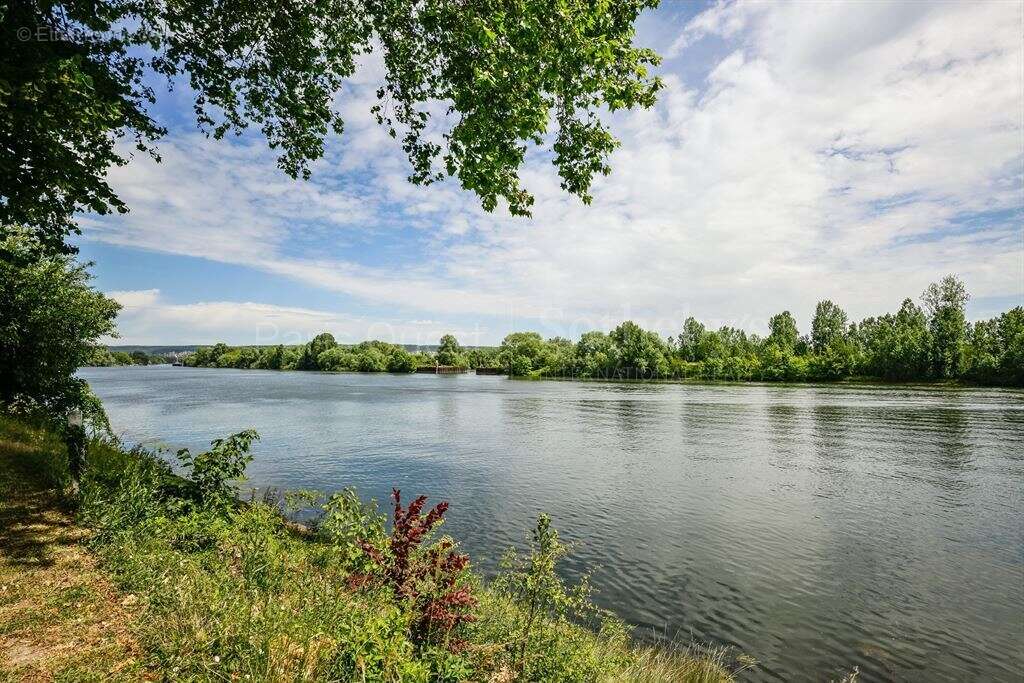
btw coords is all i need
(428, 579)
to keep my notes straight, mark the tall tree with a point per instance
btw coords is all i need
(1010, 330)
(450, 352)
(50, 321)
(829, 325)
(911, 342)
(784, 333)
(640, 353)
(521, 352)
(946, 302)
(982, 351)
(596, 356)
(688, 339)
(468, 87)
(309, 360)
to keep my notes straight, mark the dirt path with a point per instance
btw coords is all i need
(60, 620)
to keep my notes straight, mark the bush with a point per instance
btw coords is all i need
(546, 610)
(214, 472)
(432, 580)
(350, 524)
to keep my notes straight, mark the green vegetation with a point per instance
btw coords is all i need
(321, 353)
(51, 319)
(450, 352)
(60, 619)
(75, 76)
(224, 591)
(102, 357)
(935, 343)
(913, 345)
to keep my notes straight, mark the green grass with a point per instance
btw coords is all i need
(59, 616)
(232, 593)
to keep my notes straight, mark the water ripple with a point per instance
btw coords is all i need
(816, 528)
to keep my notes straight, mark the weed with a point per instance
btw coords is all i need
(215, 472)
(432, 579)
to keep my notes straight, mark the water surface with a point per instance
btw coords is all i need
(815, 528)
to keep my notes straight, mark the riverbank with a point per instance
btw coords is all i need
(60, 616)
(226, 593)
(858, 382)
(905, 347)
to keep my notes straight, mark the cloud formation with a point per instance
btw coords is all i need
(856, 152)
(146, 318)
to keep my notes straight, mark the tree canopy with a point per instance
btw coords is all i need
(449, 352)
(468, 87)
(784, 333)
(946, 301)
(829, 324)
(50, 319)
(899, 346)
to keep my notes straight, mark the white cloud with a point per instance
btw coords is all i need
(830, 153)
(725, 19)
(148, 319)
(133, 300)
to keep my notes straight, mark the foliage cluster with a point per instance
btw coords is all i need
(450, 352)
(324, 353)
(102, 357)
(215, 472)
(432, 579)
(541, 600)
(914, 344)
(224, 590)
(50, 321)
(467, 89)
(321, 353)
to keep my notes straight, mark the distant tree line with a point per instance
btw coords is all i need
(917, 343)
(324, 353)
(933, 342)
(102, 357)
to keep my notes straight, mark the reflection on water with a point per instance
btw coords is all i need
(815, 528)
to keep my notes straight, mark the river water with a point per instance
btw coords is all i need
(814, 528)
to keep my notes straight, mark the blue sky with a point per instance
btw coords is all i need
(854, 152)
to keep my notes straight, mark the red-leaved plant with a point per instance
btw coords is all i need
(428, 578)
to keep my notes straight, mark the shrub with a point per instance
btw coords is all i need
(214, 472)
(350, 524)
(545, 624)
(121, 491)
(533, 584)
(433, 580)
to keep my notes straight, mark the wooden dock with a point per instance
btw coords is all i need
(441, 370)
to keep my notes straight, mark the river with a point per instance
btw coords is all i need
(814, 528)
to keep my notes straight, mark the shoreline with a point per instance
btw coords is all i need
(192, 576)
(847, 382)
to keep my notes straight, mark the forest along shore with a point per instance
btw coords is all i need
(929, 343)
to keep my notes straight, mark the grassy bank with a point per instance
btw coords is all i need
(61, 619)
(171, 579)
